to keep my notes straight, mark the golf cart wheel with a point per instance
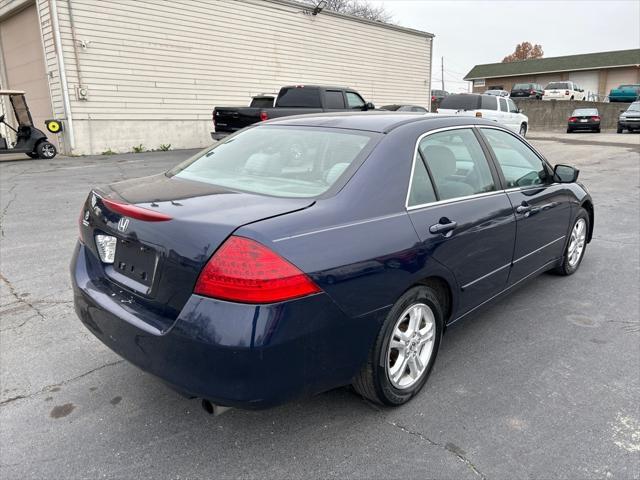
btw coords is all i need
(46, 150)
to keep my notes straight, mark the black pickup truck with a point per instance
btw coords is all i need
(292, 100)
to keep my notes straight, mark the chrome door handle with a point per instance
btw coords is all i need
(444, 226)
(523, 208)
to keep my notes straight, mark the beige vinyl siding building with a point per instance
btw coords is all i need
(154, 70)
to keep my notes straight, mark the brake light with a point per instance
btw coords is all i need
(264, 116)
(133, 211)
(596, 118)
(243, 270)
(433, 99)
(573, 119)
(479, 114)
(531, 92)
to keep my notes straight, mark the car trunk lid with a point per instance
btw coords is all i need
(157, 262)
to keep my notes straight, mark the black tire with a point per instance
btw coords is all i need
(565, 268)
(46, 150)
(373, 381)
(569, 130)
(598, 130)
(523, 130)
(620, 129)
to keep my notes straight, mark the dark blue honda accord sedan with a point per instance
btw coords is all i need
(317, 251)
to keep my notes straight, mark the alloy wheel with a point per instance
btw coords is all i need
(411, 346)
(48, 151)
(577, 241)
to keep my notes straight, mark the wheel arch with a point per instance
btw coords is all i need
(444, 292)
(588, 206)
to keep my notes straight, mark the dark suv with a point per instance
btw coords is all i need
(527, 90)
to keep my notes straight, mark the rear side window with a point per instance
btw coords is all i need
(354, 100)
(279, 161)
(461, 102)
(520, 165)
(333, 99)
(489, 102)
(299, 97)
(456, 163)
(421, 190)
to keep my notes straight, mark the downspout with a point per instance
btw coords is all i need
(57, 40)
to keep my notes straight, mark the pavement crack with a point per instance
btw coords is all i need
(48, 388)
(6, 207)
(19, 299)
(449, 447)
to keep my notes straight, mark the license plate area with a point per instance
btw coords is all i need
(135, 261)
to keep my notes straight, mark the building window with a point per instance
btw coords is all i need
(479, 82)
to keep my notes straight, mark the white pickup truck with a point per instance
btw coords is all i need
(500, 109)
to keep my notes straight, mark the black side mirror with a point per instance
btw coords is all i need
(369, 106)
(565, 173)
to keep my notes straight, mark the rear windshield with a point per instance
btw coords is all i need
(461, 102)
(299, 97)
(584, 112)
(522, 86)
(262, 102)
(279, 161)
(392, 108)
(558, 85)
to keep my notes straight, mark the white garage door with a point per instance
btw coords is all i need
(23, 60)
(588, 81)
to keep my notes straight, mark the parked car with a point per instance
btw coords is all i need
(584, 119)
(527, 90)
(499, 109)
(292, 100)
(438, 95)
(404, 108)
(563, 91)
(497, 93)
(218, 275)
(630, 118)
(625, 93)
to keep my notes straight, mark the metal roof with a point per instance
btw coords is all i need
(568, 63)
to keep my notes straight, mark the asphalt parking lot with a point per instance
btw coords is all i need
(544, 384)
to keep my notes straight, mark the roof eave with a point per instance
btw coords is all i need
(551, 71)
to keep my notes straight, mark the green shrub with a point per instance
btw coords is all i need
(138, 148)
(164, 147)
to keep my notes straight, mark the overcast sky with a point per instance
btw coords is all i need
(475, 32)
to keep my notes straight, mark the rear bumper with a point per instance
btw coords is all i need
(246, 356)
(583, 125)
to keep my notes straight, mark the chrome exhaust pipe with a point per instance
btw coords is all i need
(213, 409)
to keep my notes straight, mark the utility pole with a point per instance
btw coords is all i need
(442, 71)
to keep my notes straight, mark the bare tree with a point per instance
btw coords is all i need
(358, 8)
(524, 51)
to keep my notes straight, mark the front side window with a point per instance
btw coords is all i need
(355, 101)
(520, 165)
(334, 99)
(512, 106)
(503, 105)
(279, 161)
(456, 163)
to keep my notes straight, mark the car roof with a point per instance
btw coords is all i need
(380, 121)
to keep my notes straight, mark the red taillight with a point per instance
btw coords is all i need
(433, 99)
(595, 119)
(133, 211)
(243, 270)
(264, 116)
(532, 92)
(573, 119)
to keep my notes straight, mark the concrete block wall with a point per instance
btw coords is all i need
(553, 114)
